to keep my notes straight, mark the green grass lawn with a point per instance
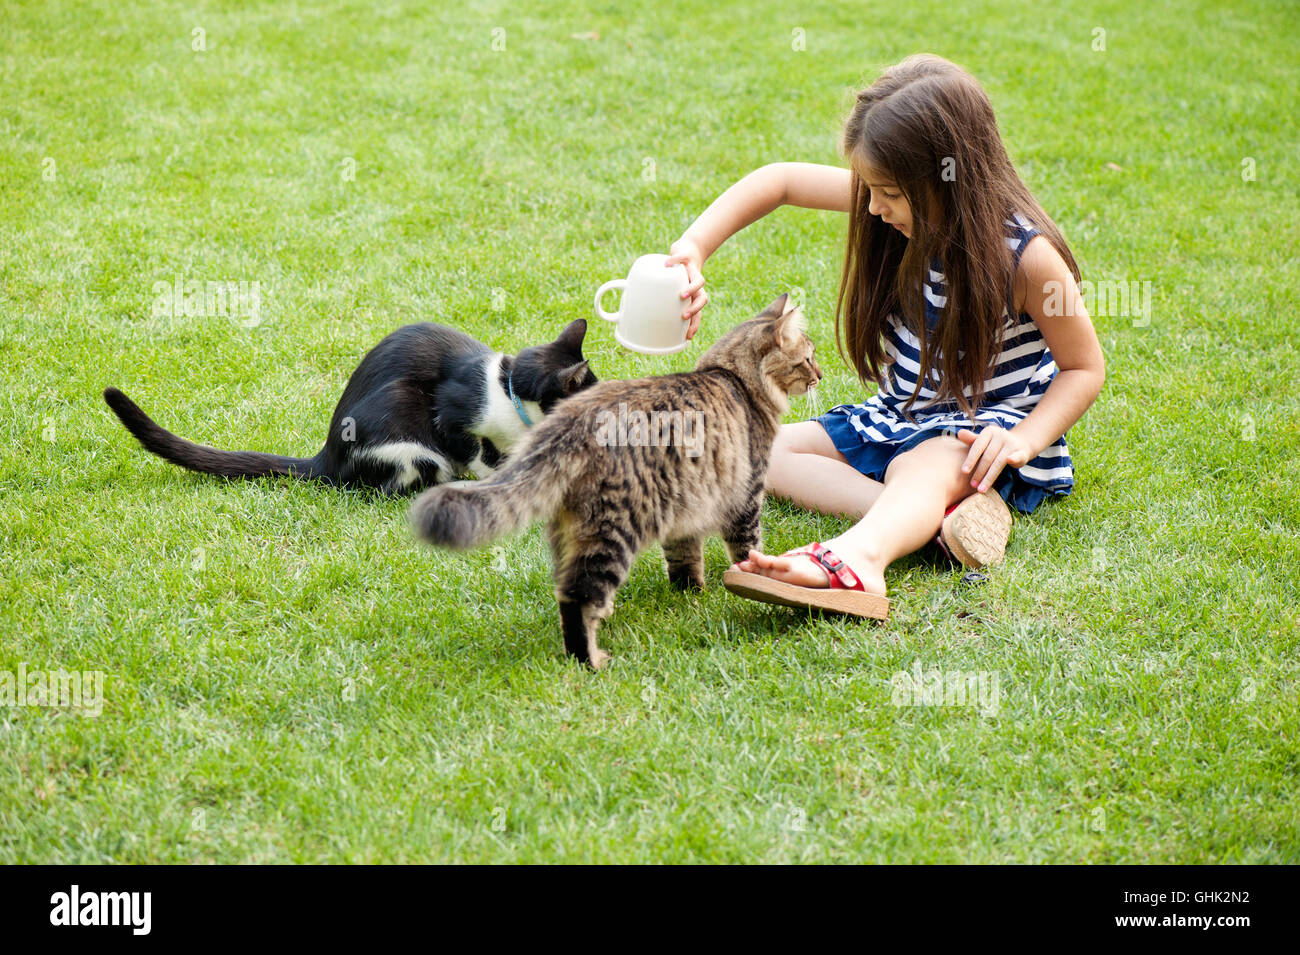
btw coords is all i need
(290, 677)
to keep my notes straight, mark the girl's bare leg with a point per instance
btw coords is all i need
(807, 469)
(906, 513)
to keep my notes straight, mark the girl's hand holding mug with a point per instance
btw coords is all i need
(687, 253)
(649, 315)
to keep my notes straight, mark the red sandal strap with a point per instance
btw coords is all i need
(840, 576)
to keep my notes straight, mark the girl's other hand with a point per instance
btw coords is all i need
(992, 449)
(686, 252)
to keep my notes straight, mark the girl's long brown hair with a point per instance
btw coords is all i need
(928, 126)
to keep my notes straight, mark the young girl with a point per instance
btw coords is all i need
(958, 298)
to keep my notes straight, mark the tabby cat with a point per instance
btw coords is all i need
(427, 405)
(616, 469)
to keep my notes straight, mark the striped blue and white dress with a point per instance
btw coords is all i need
(871, 434)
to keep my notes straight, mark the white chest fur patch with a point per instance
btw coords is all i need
(501, 423)
(405, 457)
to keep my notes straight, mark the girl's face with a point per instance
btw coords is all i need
(887, 201)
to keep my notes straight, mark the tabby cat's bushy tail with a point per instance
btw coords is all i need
(471, 513)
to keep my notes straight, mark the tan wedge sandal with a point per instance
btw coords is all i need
(844, 593)
(975, 530)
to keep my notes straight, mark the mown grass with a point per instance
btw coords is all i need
(291, 678)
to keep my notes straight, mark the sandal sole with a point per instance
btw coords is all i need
(976, 531)
(855, 603)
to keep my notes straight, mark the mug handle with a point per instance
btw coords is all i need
(600, 293)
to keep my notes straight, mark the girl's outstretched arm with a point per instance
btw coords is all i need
(805, 184)
(1051, 298)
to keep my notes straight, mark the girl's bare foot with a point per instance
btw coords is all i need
(802, 571)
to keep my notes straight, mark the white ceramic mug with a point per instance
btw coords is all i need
(649, 318)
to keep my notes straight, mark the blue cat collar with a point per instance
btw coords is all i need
(514, 399)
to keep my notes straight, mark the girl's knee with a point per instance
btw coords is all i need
(932, 450)
(938, 458)
(783, 459)
(804, 437)
(787, 438)
(784, 465)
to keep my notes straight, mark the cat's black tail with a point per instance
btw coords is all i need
(469, 513)
(200, 457)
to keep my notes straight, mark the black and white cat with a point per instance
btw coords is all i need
(427, 405)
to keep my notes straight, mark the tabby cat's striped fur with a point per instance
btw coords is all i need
(607, 501)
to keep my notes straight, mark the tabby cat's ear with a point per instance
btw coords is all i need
(573, 377)
(791, 326)
(779, 307)
(571, 338)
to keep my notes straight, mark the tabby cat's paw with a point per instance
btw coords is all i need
(687, 581)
